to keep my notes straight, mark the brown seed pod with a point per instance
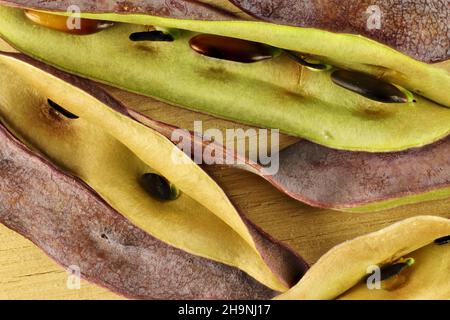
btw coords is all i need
(74, 226)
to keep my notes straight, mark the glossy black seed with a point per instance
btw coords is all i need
(155, 35)
(391, 270)
(369, 86)
(61, 110)
(158, 187)
(443, 240)
(295, 57)
(231, 49)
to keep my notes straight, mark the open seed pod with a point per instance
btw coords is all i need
(409, 267)
(297, 84)
(310, 173)
(338, 179)
(75, 226)
(93, 137)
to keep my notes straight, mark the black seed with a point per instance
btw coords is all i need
(158, 187)
(61, 110)
(154, 35)
(443, 240)
(231, 49)
(294, 56)
(392, 270)
(369, 86)
(104, 236)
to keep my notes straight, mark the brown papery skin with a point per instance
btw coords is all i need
(418, 28)
(344, 179)
(71, 224)
(180, 9)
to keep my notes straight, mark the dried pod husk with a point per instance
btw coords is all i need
(342, 271)
(73, 225)
(275, 93)
(363, 181)
(110, 151)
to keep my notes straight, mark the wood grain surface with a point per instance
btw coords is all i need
(27, 273)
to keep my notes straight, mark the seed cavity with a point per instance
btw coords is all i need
(159, 187)
(77, 26)
(394, 269)
(443, 240)
(370, 87)
(154, 35)
(391, 270)
(312, 66)
(231, 49)
(60, 110)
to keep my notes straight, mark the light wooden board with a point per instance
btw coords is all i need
(27, 273)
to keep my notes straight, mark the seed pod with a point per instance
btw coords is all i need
(370, 87)
(154, 35)
(60, 110)
(231, 49)
(80, 26)
(105, 244)
(159, 187)
(443, 240)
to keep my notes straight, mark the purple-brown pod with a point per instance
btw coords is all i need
(74, 226)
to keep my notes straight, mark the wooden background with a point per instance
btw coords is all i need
(27, 273)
